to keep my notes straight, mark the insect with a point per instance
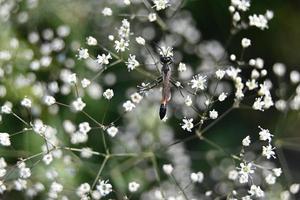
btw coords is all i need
(166, 60)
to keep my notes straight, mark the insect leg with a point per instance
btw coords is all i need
(148, 86)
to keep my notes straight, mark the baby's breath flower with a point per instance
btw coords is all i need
(236, 17)
(133, 186)
(121, 45)
(127, 2)
(132, 63)
(20, 184)
(107, 11)
(86, 152)
(294, 188)
(4, 139)
(213, 114)
(78, 104)
(246, 141)
(85, 82)
(25, 172)
(152, 17)
(256, 191)
(270, 179)
(246, 42)
(72, 79)
(49, 100)
(6, 108)
(187, 124)
(220, 74)
(104, 187)
(233, 174)
(161, 4)
(84, 127)
(112, 131)
(48, 158)
(108, 94)
(136, 98)
(258, 104)
(222, 96)
(2, 187)
(83, 189)
(197, 177)
(265, 134)
(168, 168)
(232, 57)
(140, 40)
(268, 151)
(182, 67)
(128, 106)
(103, 59)
(279, 69)
(188, 101)
(26, 102)
(246, 169)
(83, 53)
(259, 21)
(251, 84)
(91, 41)
(111, 37)
(198, 82)
(277, 171)
(39, 127)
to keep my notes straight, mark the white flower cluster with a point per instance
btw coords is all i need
(123, 33)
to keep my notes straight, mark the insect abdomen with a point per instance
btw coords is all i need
(162, 111)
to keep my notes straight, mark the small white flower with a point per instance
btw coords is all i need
(133, 186)
(107, 11)
(108, 94)
(83, 189)
(104, 187)
(152, 17)
(198, 82)
(246, 141)
(91, 41)
(197, 177)
(277, 171)
(213, 114)
(78, 104)
(25, 172)
(103, 59)
(222, 96)
(85, 82)
(187, 124)
(6, 108)
(168, 169)
(236, 16)
(128, 106)
(49, 100)
(127, 2)
(279, 69)
(140, 40)
(220, 74)
(246, 42)
(132, 63)
(84, 127)
(112, 131)
(268, 151)
(258, 104)
(265, 134)
(270, 179)
(39, 127)
(182, 67)
(86, 152)
(83, 53)
(136, 98)
(72, 79)
(259, 21)
(161, 4)
(233, 174)
(121, 45)
(188, 101)
(232, 57)
(294, 188)
(251, 84)
(48, 158)
(111, 37)
(26, 102)
(256, 191)
(4, 139)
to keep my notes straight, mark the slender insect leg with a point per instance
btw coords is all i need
(144, 88)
